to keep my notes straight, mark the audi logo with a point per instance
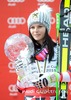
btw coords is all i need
(16, 20)
(12, 88)
(15, 0)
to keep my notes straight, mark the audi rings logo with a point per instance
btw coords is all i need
(13, 21)
(11, 67)
(15, 0)
(13, 90)
(16, 20)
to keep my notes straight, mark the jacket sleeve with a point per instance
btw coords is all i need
(25, 82)
(19, 85)
(65, 77)
(61, 77)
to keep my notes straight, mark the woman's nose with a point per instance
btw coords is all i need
(36, 29)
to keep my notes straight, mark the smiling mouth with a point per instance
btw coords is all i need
(37, 35)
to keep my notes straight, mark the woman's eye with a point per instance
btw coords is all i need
(32, 27)
(40, 26)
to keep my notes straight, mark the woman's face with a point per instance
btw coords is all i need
(38, 32)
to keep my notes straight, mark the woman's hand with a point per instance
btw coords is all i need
(46, 79)
(40, 83)
(19, 67)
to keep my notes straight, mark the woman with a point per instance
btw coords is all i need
(44, 60)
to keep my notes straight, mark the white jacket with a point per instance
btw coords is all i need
(34, 69)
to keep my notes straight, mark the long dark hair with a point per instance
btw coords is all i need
(48, 41)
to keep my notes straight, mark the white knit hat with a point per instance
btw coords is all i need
(42, 15)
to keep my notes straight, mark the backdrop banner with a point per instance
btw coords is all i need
(13, 19)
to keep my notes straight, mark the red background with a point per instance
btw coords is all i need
(13, 9)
